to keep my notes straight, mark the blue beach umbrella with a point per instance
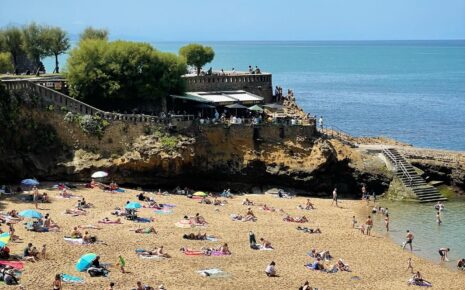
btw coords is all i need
(30, 213)
(29, 182)
(4, 239)
(85, 261)
(133, 205)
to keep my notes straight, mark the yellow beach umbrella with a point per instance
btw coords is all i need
(200, 193)
(4, 239)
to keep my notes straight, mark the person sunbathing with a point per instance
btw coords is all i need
(50, 224)
(199, 220)
(461, 264)
(216, 201)
(14, 214)
(109, 221)
(93, 183)
(309, 205)
(76, 211)
(76, 234)
(85, 227)
(118, 212)
(267, 208)
(224, 249)
(197, 236)
(88, 239)
(341, 266)
(44, 198)
(64, 193)
(161, 253)
(309, 230)
(247, 202)
(113, 186)
(302, 219)
(265, 244)
(205, 201)
(147, 230)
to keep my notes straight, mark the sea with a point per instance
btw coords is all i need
(412, 91)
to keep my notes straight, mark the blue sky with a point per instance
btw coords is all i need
(203, 20)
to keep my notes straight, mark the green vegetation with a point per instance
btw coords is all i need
(197, 55)
(93, 33)
(122, 74)
(36, 41)
(11, 41)
(57, 43)
(20, 131)
(168, 142)
(5, 62)
(91, 125)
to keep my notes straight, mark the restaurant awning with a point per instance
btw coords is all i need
(221, 98)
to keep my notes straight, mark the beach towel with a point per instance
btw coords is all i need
(71, 279)
(163, 211)
(68, 197)
(187, 224)
(261, 248)
(142, 220)
(213, 273)
(219, 254)
(120, 190)
(151, 257)
(74, 241)
(193, 253)
(212, 239)
(14, 264)
(168, 205)
(417, 283)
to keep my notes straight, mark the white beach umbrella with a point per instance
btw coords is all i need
(99, 174)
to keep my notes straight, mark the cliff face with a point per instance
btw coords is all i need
(210, 157)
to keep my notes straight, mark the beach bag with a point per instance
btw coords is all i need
(96, 272)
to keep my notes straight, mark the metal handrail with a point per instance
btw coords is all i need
(405, 172)
(390, 156)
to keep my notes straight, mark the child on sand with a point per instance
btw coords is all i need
(121, 263)
(354, 222)
(44, 251)
(386, 222)
(409, 265)
(271, 270)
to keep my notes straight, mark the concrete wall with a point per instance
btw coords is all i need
(258, 84)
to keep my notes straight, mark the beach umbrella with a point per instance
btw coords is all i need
(200, 193)
(274, 106)
(29, 182)
(133, 205)
(85, 261)
(30, 213)
(99, 174)
(256, 108)
(4, 239)
(236, 106)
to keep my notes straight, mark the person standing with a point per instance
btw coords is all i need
(369, 226)
(409, 240)
(438, 218)
(320, 121)
(335, 197)
(386, 222)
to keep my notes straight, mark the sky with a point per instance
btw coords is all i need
(248, 20)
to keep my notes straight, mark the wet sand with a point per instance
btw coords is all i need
(378, 262)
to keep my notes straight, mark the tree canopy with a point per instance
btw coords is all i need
(122, 74)
(35, 42)
(11, 41)
(197, 55)
(6, 65)
(57, 42)
(93, 33)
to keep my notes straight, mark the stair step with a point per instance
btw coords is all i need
(433, 200)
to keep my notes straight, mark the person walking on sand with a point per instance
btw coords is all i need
(386, 222)
(369, 226)
(354, 222)
(443, 253)
(409, 240)
(57, 282)
(409, 265)
(335, 197)
(438, 218)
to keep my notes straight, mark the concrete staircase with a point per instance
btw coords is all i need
(411, 179)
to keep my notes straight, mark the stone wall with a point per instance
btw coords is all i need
(258, 84)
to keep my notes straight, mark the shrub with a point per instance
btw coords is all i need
(93, 125)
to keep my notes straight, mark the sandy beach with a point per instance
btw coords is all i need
(378, 262)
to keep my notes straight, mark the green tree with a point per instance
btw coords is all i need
(122, 74)
(57, 42)
(93, 33)
(197, 55)
(6, 65)
(35, 43)
(12, 42)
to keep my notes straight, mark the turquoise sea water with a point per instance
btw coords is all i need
(413, 91)
(420, 219)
